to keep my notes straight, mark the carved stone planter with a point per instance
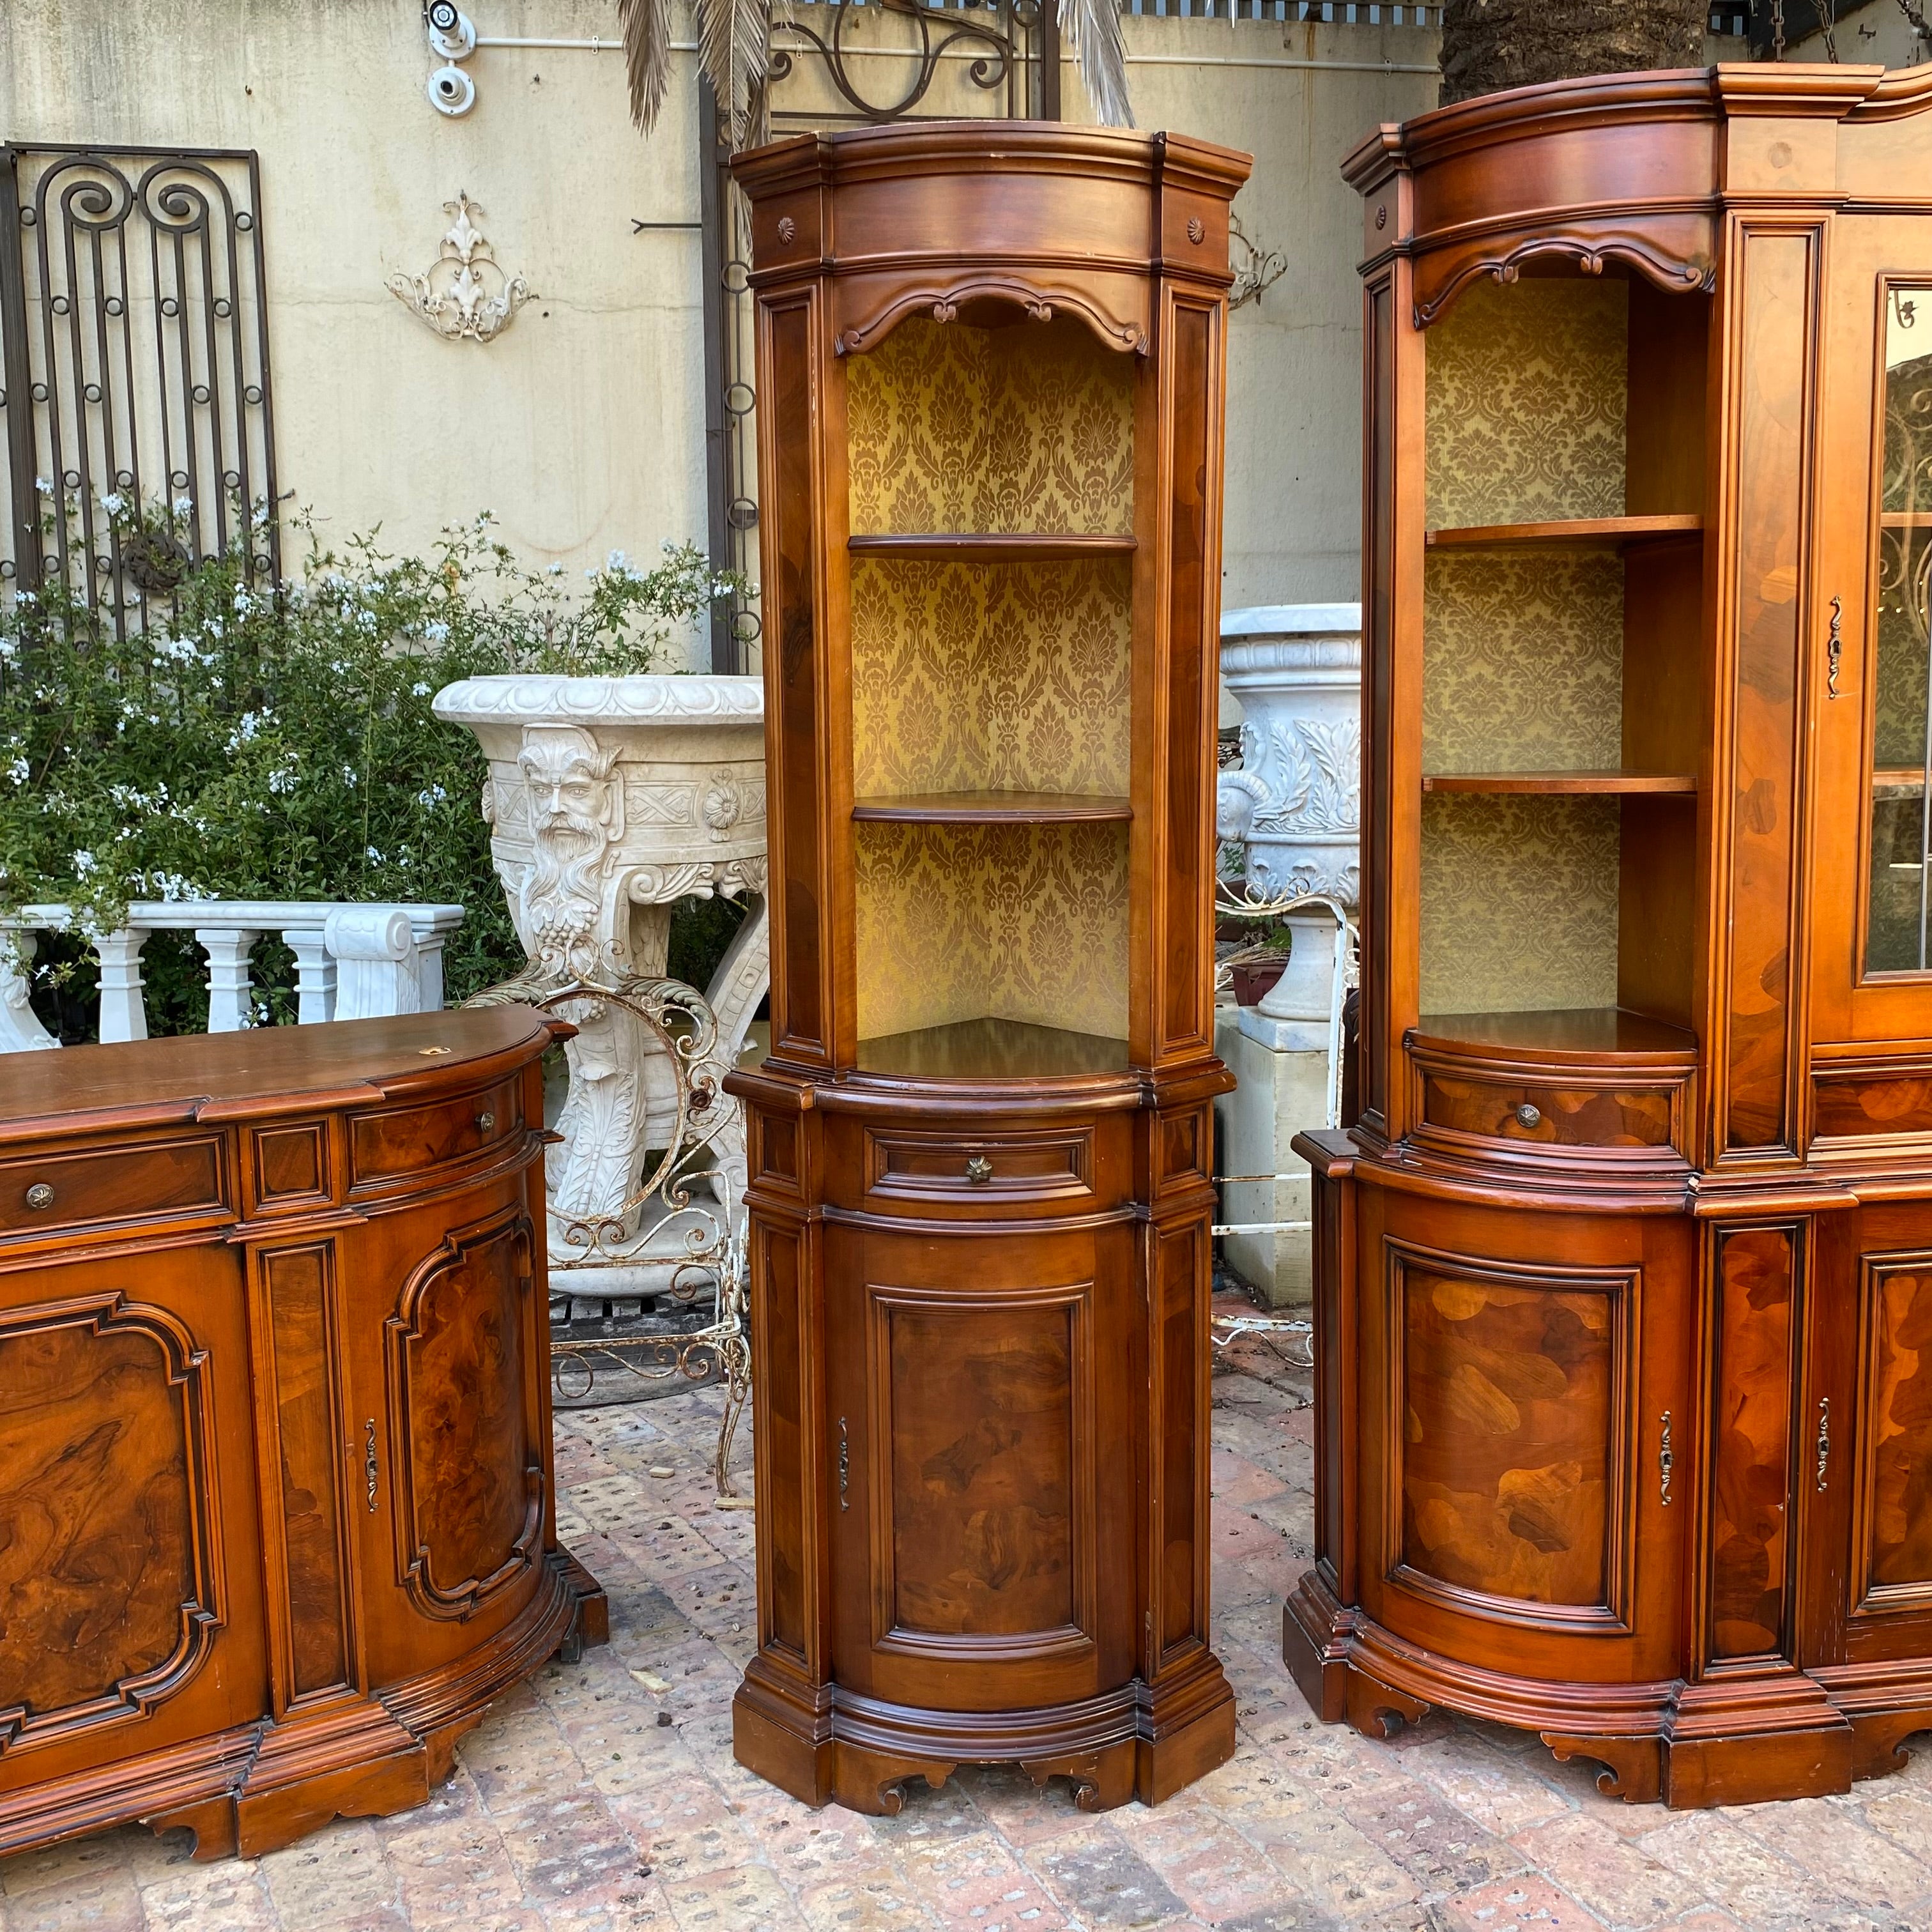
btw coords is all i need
(610, 799)
(1296, 670)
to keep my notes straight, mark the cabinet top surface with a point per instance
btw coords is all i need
(265, 1070)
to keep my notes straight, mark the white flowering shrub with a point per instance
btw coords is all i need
(258, 743)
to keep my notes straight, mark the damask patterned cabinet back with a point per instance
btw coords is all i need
(274, 1428)
(1618, 1272)
(990, 361)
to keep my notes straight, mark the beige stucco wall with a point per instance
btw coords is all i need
(582, 426)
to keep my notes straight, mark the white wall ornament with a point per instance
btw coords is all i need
(465, 296)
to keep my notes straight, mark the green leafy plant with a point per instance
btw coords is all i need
(278, 743)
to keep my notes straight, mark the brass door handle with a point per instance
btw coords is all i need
(979, 1170)
(371, 1469)
(1834, 647)
(1665, 1461)
(1824, 1442)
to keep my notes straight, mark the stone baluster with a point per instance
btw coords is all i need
(227, 947)
(315, 973)
(124, 1010)
(20, 1029)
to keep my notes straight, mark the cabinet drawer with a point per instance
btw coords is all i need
(41, 1192)
(407, 1140)
(1047, 1164)
(1533, 1112)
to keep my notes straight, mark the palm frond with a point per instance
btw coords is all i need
(734, 46)
(1092, 28)
(646, 30)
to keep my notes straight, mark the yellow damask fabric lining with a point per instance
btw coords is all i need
(1519, 903)
(991, 432)
(1522, 660)
(1004, 922)
(1008, 677)
(1526, 394)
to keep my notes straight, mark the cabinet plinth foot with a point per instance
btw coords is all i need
(212, 1821)
(873, 1783)
(590, 1621)
(1879, 1739)
(784, 1745)
(1633, 1768)
(1102, 1779)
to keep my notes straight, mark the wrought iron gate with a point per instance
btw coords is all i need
(133, 370)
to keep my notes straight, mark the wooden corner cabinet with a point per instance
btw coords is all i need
(990, 361)
(1625, 1433)
(276, 1512)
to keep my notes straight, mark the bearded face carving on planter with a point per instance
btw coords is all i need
(576, 818)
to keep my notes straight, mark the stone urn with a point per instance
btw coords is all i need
(609, 800)
(1295, 802)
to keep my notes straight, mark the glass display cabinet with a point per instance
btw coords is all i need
(1623, 1434)
(990, 364)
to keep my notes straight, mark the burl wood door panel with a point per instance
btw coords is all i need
(1878, 1466)
(451, 1417)
(1533, 1366)
(984, 1486)
(127, 1597)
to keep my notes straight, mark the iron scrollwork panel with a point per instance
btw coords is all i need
(133, 318)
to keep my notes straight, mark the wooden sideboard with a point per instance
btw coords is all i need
(1622, 1267)
(276, 1510)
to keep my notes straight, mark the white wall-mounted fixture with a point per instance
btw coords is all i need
(452, 37)
(464, 295)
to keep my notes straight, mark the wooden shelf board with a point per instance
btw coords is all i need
(1906, 778)
(1580, 1034)
(965, 546)
(1561, 784)
(1905, 520)
(1618, 530)
(992, 1049)
(991, 808)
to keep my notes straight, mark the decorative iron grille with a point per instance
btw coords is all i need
(134, 371)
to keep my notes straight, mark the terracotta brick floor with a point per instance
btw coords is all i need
(603, 1797)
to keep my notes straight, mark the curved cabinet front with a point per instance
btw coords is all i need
(276, 1458)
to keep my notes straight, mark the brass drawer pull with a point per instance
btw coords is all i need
(41, 1195)
(979, 1170)
(1527, 1115)
(484, 1122)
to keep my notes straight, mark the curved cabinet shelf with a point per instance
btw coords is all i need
(992, 808)
(1611, 531)
(1014, 547)
(1565, 784)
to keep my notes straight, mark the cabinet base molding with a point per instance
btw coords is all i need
(1141, 1741)
(1738, 1738)
(260, 1787)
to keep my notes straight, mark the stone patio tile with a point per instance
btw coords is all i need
(975, 1884)
(1098, 1881)
(1241, 1482)
(1500, 1794)
(805, 1848)
(1525, 1904)
(1323, 1856)
(1285, 1913)
(729, 1901)
(946, 1813)
(1733, 1868)
(1826, 1838)
(339, 1874)
(1612, 1876)
(879, 1898)
(1215, 1871)
(681, 1827)
(1023, 1814)
(717, 1600)
(1422, 1831)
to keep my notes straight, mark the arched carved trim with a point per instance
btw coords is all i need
(943, 301)
(404, 1332)
(184, 1366)
(1681, 275)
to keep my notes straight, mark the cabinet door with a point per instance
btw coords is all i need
(1866, 665)
(450, 1419)
(1864, 1461)
(133, 1608)
(983, 1457)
